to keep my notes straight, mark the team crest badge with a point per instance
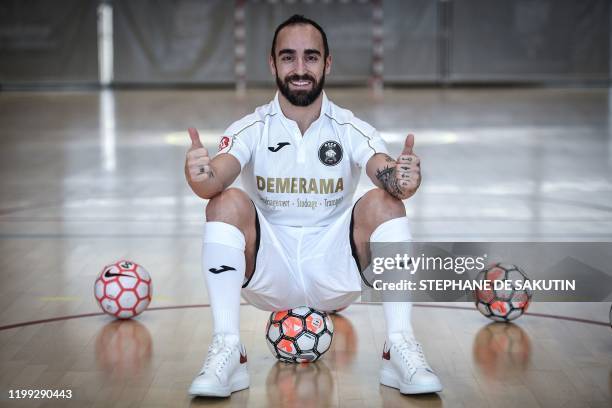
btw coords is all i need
(330, 153)
(225, 142)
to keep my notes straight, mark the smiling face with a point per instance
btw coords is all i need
(299, 64)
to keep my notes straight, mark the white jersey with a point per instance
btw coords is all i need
(297, 180)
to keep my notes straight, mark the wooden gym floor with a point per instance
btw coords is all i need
(90, 177)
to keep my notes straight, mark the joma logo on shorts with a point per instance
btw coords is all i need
(299, 185)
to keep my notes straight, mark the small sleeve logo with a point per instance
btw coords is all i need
(225, 142)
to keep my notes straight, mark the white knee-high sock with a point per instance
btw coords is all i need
(398, 315)
(223, 264)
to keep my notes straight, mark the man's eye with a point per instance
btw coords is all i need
(312, 58)
(286, 58)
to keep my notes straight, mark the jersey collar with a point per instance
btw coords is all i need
(325, 107)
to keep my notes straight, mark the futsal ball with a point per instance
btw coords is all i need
(299, 335)
(505, 300)
(123, 289)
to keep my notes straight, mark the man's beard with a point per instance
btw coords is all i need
(299, 97)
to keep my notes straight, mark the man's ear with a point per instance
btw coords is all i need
(328, 64)
(272, 65)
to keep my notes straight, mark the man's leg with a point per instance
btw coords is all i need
(380, 217)
(228, 256)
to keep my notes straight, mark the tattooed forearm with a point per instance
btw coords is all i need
(387, 178)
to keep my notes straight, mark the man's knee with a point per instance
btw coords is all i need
(232, 206)
(379, 206)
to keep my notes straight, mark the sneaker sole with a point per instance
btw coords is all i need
(390, 380)
(238, 384)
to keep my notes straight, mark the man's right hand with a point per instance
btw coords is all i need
(198, 161)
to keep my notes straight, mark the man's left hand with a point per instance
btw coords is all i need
(408, 170)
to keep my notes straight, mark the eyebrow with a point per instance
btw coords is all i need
(286, 51)
(308, 51)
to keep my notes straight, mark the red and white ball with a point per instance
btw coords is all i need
(299, 335)
(123, 289)
(503, 305)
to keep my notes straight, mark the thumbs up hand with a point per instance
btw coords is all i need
(407, 170)
(198, 161)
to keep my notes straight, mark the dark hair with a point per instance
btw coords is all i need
(295, 20)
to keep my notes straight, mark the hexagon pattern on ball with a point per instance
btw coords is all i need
(299, 335)
(502, 305)
(123, 289)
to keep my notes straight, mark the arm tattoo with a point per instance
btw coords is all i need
(388, 159)
(387, 177)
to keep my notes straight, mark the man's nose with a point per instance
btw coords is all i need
(300, 66)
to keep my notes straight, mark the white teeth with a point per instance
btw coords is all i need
(300, 83)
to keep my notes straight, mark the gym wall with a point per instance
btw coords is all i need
(425, 41)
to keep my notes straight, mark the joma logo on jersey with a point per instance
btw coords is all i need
(299, 185)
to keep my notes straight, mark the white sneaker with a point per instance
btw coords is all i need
(224, 370)
(404, 366)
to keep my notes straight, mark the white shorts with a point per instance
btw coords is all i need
(304, 266)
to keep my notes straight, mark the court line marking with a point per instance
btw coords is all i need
(190, 220)
(461, 235)
(153, 309)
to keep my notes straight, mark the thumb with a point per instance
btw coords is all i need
(408, 144)
(195, 138)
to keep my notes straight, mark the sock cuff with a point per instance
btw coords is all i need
(226, 321)
(394, 230)
(398, 307)
(216, 232)
(398, 317)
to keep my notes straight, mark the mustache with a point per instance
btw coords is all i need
(304, 77)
